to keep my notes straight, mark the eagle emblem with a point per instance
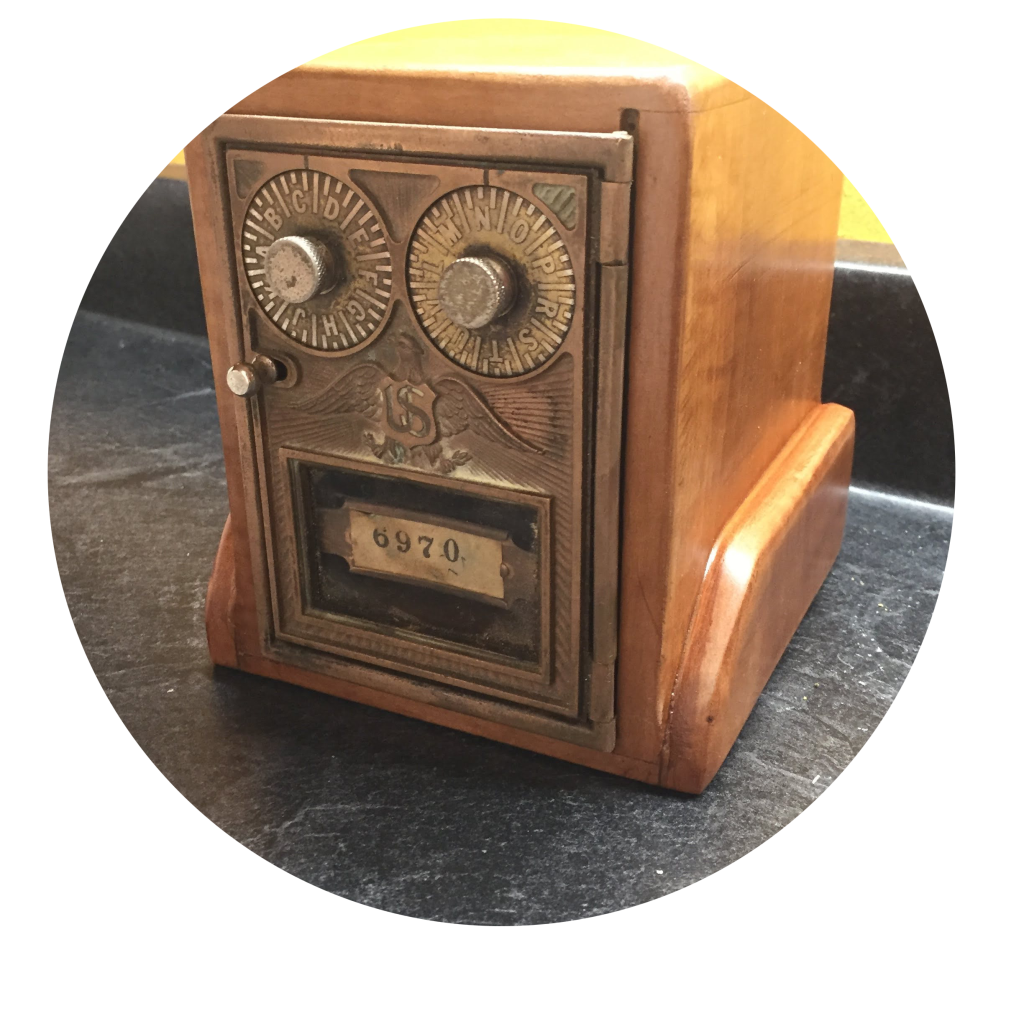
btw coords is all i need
(416, 417)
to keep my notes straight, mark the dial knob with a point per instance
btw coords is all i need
(317, 259)
(475, 290)
(298, 267)
(246, 379)
(491, 280)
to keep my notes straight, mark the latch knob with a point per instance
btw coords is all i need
(246, 379)
(298, 268)
(476, 290)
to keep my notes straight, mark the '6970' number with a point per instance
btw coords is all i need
(404, 544)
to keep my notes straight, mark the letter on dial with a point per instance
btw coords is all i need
(491, 281)
(317, 260)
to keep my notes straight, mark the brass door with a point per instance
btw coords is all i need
(437, 319)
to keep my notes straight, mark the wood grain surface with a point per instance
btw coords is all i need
(767, 564)
(734, 228)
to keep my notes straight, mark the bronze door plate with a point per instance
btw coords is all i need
(431, 454)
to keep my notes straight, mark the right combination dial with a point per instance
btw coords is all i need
(491, 281)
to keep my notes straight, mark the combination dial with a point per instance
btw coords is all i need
(317, 260)
(491, 281)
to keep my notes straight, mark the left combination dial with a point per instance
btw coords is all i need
(317, 260)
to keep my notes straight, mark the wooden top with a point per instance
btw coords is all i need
(509, 43)
(490, 46)
(603, 70)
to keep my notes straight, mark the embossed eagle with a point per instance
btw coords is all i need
(429, 412)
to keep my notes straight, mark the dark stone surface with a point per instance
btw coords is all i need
(882, 362)
(402, 815)
(150, 272)
(881, 358)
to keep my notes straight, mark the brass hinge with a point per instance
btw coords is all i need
(607, 464)
(613, 244)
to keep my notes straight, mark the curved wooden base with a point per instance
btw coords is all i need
(766, 566)
(764, 570)
(220, 602)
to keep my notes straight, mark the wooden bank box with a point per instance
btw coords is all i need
(519, 380)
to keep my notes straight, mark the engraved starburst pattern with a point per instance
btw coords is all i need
(480, 220)
(353, 304)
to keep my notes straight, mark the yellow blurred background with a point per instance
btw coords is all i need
(506, 41)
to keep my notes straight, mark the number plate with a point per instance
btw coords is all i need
(426, 552)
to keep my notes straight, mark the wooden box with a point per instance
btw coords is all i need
(519, 380)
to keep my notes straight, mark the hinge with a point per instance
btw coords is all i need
(613, 244)
(614, 283)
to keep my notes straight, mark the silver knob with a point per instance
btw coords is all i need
(297, 267)
(476, 290)
(246, 379)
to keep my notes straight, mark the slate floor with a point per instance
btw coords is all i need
(402, 815)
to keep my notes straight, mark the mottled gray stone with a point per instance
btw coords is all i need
(403, 815)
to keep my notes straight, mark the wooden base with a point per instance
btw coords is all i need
(765, 568)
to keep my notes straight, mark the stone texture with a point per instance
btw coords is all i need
(403, 815)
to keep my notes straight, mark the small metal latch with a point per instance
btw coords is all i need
(246, 379)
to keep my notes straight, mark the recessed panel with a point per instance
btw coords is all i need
(425, 469)
(424, 562)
